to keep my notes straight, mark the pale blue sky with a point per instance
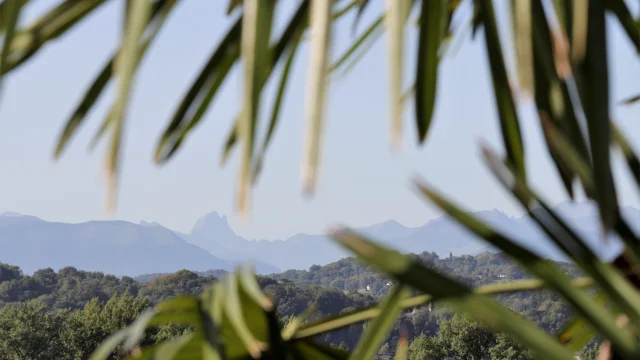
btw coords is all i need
(361, 180)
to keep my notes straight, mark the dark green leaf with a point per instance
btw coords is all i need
(596, 107)
(626, 20)
(180, 120)
(622, 293)
(456, 295)
(433, 26)
(509, 123)
(543, 269)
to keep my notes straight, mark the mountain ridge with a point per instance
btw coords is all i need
(212, 234)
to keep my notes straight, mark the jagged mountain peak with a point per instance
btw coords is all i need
(212, 225)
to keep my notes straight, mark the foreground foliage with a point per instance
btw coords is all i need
(562, 61)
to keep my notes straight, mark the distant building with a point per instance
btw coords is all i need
(368, 287)
(501, 276)
(388, 283)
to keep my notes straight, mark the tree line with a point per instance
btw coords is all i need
(66, 314)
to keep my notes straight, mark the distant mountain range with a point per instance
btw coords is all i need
(125, 248)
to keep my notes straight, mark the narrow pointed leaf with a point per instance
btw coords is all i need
(191, 101)
(522, 31)
(378, 329)
(394, 22)
(275, 112)
(138, 14)
(611, 280)
(255, 52)
(9, 17)
(580, 23)
(161, 10)
(596, 106)
(552, 95)
(336, 322)
(545, 270)
(456, 295)
(316, 91)
(629, 155)
(631, 100)
(625, 17)
(368, 37)
(362, 6)
(103, 352)
(49, 26)
(433, 26)
(509, 124)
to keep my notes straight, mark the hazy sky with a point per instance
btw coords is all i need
(361, 180)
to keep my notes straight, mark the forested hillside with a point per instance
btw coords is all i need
(66, 314)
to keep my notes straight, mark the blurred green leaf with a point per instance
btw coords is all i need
(545, 270)
(631, 100)
(552, 95)
(378, 329)
(193, 99)
(395, 23)
(458, 296)
(509, 125)
(522, 35)
(362, 6)
(629, 25)
(9, 15)
(316, 90)
(137, 16)
(47, 27)
(275, 112)
(103, 352)
(255, 53)
(235, 319)
(627, 151)
(621, 292)
(596, 106)
(369, 36)
(161, 10)
(432, 30)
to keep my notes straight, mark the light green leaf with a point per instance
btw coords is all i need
(161, 10)
(255, 53)
(522, 36)
(103, 352)
(361, 45)
(336, 322)
(49, 26)
(395, 22)
(456, 295)
(8, 23)
(275, 112)
(316, 91)
(378, 329)
(137, 17)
